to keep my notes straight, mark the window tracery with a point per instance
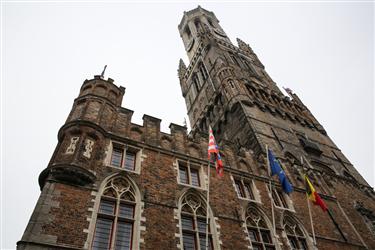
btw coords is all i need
(294, 234)
(116, 216)
(258, 231)
(193, 223)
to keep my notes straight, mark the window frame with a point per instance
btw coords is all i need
(253, 191)
(125, 151)
(134, 155)
(190, 167)
(286, 201)
(279, 198)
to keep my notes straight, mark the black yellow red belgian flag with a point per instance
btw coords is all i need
(313, 195)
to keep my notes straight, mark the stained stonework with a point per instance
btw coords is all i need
(226, 87)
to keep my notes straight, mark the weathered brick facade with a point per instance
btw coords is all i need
(225, 86)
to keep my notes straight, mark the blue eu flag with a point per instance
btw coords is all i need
(276, 169)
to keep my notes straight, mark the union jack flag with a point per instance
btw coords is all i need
(214, 149)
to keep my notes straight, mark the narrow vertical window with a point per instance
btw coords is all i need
(190, 241)
(239, 189)
(183, 175)
(130, 160)
(117, 156)
(194, 177)
(196, 83)
(282, 198)
(102, 233)
(193, 224)
(203, 71)
(248, 191)
(278, 198)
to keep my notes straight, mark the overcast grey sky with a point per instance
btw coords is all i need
(323, 51)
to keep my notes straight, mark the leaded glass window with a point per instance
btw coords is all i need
(115, 219)
(123, 157)
(194, 224)
(188, 174)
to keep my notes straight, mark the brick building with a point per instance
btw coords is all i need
(113, 184)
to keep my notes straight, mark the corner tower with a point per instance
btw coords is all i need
(74, 173)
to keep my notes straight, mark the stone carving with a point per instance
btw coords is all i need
(72, 146)
(88, 148)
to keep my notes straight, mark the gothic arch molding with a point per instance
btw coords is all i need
(118, 187)
(294, 232)
(193, 204)
(259, 228)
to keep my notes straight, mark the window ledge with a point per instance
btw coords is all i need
(285, 208)
(124, 169)
(192, 186)
(250, 200)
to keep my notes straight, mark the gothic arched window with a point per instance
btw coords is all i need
(116, 216)
(295, 235)
(193, 223)
(259, 233)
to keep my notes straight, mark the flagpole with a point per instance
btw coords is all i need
(270, 184)
(208, 197)
(308, 205)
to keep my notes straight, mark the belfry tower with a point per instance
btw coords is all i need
(227, 87)
(113, 184)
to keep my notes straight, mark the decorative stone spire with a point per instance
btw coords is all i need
(181, 69)
(244, 46)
